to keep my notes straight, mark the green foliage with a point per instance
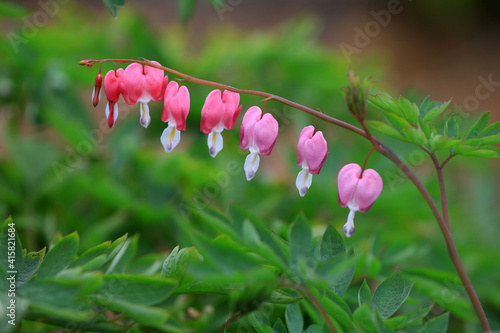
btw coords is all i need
(247, 273)
(406, 122)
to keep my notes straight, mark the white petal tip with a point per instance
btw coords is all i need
(303, 191)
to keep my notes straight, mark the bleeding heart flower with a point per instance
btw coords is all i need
(112, 88)
(219, 112)
(312, 151)
(176, 106)
(258, 134)
(143, 84)
(358, 190)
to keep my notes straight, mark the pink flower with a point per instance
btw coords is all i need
(219, 112)
(312, 151)
(143, 84)
(176, 106)
(258, 134)
(112, 88)
(96, 93)
(357, 190)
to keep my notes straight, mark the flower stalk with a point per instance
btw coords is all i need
(356, 97)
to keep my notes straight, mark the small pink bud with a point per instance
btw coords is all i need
(96, 93)
(258, 134)
(312, 150)
(358, 191)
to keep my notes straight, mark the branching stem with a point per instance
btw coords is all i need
(442, 219)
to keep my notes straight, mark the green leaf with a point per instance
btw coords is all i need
(300, 240)
(386, 103)
(137, 289)
(339, 313)
(332, 244)
(407, 319)
(59, 257)
(364, 294)
(385, 129)
(294, 319)
(390, 294)
(451, 127)
(186, 9)
(279, 327)
(435, 111)
(479, 126)
(492, 130)
(437, 325)
(91, 254)
(145, 315)
(31, 263)
(363, 319)
(485, 153)
(216, 3)
(410, 110)
(124, 257)
(397, 122)
(112, 4)
(10, 259)
(281, 297)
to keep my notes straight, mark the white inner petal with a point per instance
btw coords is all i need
(145, 118)
(170, 138)
(251, 165)
(215, 143)
(349, 226)
(304, 181)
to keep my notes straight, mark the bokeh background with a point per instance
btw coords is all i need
(62, 169)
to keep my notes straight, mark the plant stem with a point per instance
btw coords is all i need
(442, 190)
(315, 301)
(377, 144)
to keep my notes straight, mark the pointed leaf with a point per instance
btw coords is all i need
(451, 127)
(294, 319)
(59, 257)
(364, 294)
(410, 110)
(479, 126)
(436, 110)
(332, 244)
(385, 129)
(390, 294)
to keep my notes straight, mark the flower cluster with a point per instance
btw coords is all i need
(358, 188)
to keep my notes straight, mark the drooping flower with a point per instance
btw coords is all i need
(112, 88)
(176, 106)
(219, 112)
(258, 134)
(358, 190)
(141, 85)
(312, 151)
(96, 93)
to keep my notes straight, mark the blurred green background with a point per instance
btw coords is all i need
(62, 169)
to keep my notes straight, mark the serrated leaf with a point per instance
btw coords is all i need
(409, 109)
(479, 126)
(387, 103)
(451, 127)
(436, 111)
(293, 317)
(31, 263)
(385, 129)
(390, 294)
(59, 257)
(137, 289)
(364, 294)
(493, 129)
(332, 244)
